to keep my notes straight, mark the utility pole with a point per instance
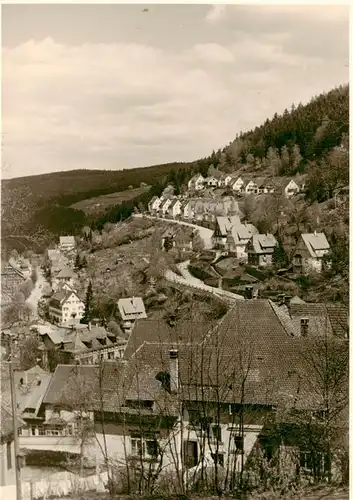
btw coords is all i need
(15, 431)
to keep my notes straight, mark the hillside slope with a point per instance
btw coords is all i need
(304, 139)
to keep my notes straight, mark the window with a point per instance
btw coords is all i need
(41, 431)
(152, 448)
(8, 455)
(218, 458)
(314, 461)
(33, 430)
(69, 430)
(216, 433)
(110, 355)
(137, 447)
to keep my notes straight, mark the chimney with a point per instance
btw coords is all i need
(174, 370)
(249, 291)
(89, 326)
(287, 300)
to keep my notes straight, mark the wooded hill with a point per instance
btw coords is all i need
(303, 139)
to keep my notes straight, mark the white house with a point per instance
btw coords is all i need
(7, 452)
(67, 243)
(175, 208)
(238, 238)
(65, 307)
(291, 189)
(251, 187)
(211, 181)
(64, 276)
(130, 310)
(225, 180)
(154, 204)
(196, 183)
(164, 206)
(237, 185)
(222, 227)
(309, 252)
(185, 209)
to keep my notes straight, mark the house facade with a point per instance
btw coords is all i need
(251, 187)
(237, 185)
(67, 243)
(309, 253)
(154, 204)
(291, 189)
(66, 307)
(238, 238)
(7, 451)
(196, 183)
(211, 182)
(260, 249)
(164, 206)
(175, 208)
(192, 398)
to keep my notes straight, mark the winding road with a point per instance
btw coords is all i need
(205, 233)
(189, 280)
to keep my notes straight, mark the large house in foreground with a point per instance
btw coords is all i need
(174, 404)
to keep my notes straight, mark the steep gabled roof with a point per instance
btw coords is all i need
(65, 272)
(67, 240)
(315, 243)
(131, 305)
(263, 243)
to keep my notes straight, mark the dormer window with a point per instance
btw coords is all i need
(304, 327)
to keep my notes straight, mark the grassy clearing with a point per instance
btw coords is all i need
(93, 206)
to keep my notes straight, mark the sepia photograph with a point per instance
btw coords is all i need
(174, 251)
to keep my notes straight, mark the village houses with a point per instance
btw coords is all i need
(238, 236)
(196, 183)
(162, 379)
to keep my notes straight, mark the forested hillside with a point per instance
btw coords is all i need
(311, 138)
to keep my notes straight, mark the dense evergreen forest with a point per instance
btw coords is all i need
(311, 138)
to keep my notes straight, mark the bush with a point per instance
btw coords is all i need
(199, 273)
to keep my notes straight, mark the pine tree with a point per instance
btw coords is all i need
(279, 256)
(285, 159)
(78, 261)
(296, 158)
(273, 161)
(88, 304)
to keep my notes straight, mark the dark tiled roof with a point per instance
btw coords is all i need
(158, 330)
(329, 318)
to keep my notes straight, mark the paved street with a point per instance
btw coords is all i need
(205, 233)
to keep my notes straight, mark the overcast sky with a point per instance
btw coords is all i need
(113, 86)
